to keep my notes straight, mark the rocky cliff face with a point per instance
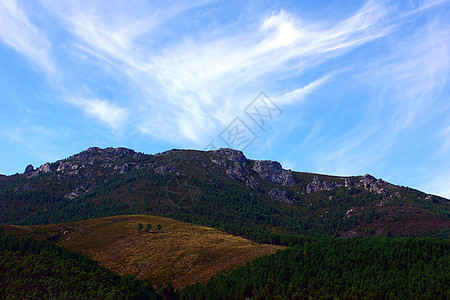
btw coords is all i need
(371, 184)
(367, 182)
(233, 155)
(45, 168)
(82, 165)
(272, 171)
(234, 161)
(279, 195)
(260, 175)
(319, 185)
(237, 168)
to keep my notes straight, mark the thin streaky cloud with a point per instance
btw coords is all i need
(17, 31)
(107, 112)
(192, 74)
(357, 84)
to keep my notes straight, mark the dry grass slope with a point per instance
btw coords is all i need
(180, 252)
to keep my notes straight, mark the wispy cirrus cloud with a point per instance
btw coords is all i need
(36, 140)
(181, 71)
(201, 81)
(107, 112)
(19, 33)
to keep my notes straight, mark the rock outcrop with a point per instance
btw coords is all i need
(164, 169)
(25, 188)
(371, 184)
(234, 161)
(45, 168)
(251, 182)
(279, 195)
(236, 172)
(125, 168)
(230, 154)
(319, 185)
(348, 182)
(105, 155)
(79, 191)
(272, 171)
(29, 169)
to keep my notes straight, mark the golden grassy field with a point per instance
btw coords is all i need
(180, 252)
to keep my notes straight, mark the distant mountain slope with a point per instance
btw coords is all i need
(179, 252)
(220, 188)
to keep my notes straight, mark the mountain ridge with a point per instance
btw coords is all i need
(218, 186)
(267, 169)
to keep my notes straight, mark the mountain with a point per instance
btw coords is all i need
(220, 188)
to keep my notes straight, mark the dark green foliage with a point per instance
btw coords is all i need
(38, 270)
(148, 227)
(201, 192)
(334, 268)
(159, 227)
(140, 226)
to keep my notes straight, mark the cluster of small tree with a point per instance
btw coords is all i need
(148, 227)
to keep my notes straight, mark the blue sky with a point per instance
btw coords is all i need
(353, 87)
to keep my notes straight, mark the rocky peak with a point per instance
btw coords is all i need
(107, 154)
(272, 171)
(45, 168)
(230, 154)
(371, 184)
(29, 169)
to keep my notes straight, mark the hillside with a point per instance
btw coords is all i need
(221, 189)
(181, 253)
(30, 269)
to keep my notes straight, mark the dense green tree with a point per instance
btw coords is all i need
(339, 268)
(31, 269)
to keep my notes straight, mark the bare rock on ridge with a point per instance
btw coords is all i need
(272, 171)
(319, 185)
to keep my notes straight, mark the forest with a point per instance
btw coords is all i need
(389, 262)
(31, 269)
(372, 268)
(316, 267)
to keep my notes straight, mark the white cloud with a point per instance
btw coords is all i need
(19, 33)
(107, 112)
(300, 94)
(202, 83)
